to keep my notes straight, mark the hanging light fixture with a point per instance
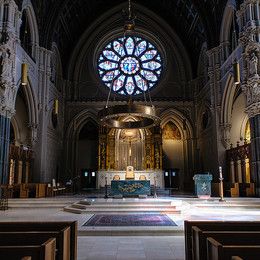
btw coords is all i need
(116, 116)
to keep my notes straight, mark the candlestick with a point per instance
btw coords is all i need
(220, 172)
(221, 189)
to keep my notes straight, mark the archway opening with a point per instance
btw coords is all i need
(87, 151)
(173, 155)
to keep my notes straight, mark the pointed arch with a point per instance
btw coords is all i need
(28, 10)
(227, 100)
(227, 21)
(177, 118)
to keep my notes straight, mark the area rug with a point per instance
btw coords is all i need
(102, 220)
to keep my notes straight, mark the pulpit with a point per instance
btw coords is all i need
(129, 173)
(202, 184)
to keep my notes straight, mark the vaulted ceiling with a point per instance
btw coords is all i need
(195, 21)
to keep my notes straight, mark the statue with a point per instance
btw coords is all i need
(253, 65)
(6, 64)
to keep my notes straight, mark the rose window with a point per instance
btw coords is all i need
(130, 65)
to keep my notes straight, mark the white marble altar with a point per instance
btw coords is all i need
(152, 175)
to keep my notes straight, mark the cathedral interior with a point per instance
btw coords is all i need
(90, 88)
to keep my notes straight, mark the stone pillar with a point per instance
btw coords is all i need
(8, 88)
(255, 151)
(41, 151)
(218, 150)
(4, 148)
(249, 39)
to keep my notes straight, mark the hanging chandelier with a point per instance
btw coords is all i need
(129, 115)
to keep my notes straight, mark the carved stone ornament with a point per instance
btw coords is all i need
(253, 109)
(253, 65)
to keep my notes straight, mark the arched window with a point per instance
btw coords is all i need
(130, 65)
(25, 34)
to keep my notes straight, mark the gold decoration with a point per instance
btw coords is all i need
(24, 77)
(247, 132)
(236, 69)
(171, 131)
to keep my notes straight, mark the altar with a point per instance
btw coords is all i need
(130, 188)
(155, 177)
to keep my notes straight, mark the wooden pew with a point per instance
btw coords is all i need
(224, 248)
(40, 190)
(215, 226)
(199, 239)
(62, 240)
(37, 250)
(45, 226)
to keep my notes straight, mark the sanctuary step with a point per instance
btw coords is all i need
(126, 205)
(41, 203)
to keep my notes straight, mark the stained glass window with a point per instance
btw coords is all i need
(130, 65)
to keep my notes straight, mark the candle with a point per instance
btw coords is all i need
(220, 172)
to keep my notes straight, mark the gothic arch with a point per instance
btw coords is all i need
(78, 121)
(99, 30)
(56, 67)
(31, 105)
(177, 118)
(227, 21)
(16, 130)
(32, 21)
(227, 101)
(72, 135)
(184, 147)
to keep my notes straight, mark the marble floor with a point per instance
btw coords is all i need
(127, 242)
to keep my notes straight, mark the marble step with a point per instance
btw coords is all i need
(129, 202)
(39, 203)
(128, 206)
(170, 210)
(131, 231)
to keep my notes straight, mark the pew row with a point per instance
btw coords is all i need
(225, 249)
(40, 249)
(199, 240)
(214, 226)
(45, 226)
(62, 240)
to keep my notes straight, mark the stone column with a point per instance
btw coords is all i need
(249, 39)
(4, 148)
(8, 88)
(255, 151)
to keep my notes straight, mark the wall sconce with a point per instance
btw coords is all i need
(236, 69)
(24, 77)
(56, 106)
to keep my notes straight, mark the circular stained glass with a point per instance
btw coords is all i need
(130, 65)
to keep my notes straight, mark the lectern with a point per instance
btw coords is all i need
(202, 184)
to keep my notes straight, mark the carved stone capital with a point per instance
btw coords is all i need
(253, 109)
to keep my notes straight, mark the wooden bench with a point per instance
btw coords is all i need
(228, 247)
(45, 226)
(62, 240)
(199, 239)
(230, 189)
(215, 226)
(37, 250)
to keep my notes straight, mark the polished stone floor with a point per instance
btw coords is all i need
(127, 242)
